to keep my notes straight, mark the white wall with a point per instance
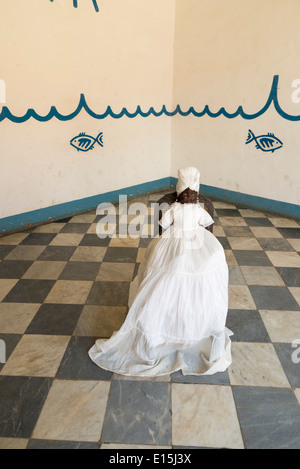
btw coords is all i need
(226, 54)
(119, 57)
(151, 54)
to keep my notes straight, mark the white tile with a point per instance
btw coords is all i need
(256, 364)
(36, 355)
(282, 326)
(284, 222)
(88, 254)
(49, 270)
(297, 394)
(129, 241)
(6, 284)
(219, 204)
(265, 232)
(73, 411)
(239, 297)
(69, 291)
(230, 258)
(218, 230)
(66, 239)
(204, 415)
(13, 443)
(240, 242)
(16, 317)
(251, 213)
(261, 275)
(284, 258)
(295, 291)
(295, 243)
(232, 221)
(14, 238)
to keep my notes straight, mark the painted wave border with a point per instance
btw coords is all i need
(54, 113)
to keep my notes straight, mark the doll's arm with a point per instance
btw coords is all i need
(205, 219)
(166, 220)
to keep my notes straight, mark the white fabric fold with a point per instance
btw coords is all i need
(178, 305)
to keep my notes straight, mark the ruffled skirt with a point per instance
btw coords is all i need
(178, 307)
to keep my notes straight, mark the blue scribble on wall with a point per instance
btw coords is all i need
(265, 142)
(272, 99)
(75, 4)
(83, 142)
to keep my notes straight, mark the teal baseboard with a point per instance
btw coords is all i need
(33, 218)
(57, 212)
(250, 201)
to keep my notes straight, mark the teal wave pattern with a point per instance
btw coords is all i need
(75, 4)
(31, 113)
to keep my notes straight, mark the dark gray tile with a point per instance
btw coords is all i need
(260, 221)
(55, 319)
(138, 412)
(136, 270)
(5, 250)
(63, 220)
(290, 275)
(269, 417)
(105, 218)
(251, 257)
(236, 276)
(275, 244)
(120, 254)
(57, 253)
(152, 219)
(144, 242)
(217, 378)
(224, 241)
(76, 363)
(238, 231)
(94, 240)
(227, 212)
(75, 228)
(53, 444)
(276, 298)
(80, 271)
(10, 342)
(38, 238)
(109, 294)
(22, 399)
(289, 357)
(247, 326)
(29, 291)
(290, 232)
(14, 269)
(121, 228)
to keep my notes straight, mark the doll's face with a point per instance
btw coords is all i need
(188, 196)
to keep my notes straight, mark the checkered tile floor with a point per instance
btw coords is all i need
(61, 287)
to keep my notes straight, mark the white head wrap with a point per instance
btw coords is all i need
(188, 177)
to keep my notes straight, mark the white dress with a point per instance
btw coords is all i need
(178, 304)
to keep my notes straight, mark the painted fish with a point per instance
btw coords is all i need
(83, 142)
(265, 142)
